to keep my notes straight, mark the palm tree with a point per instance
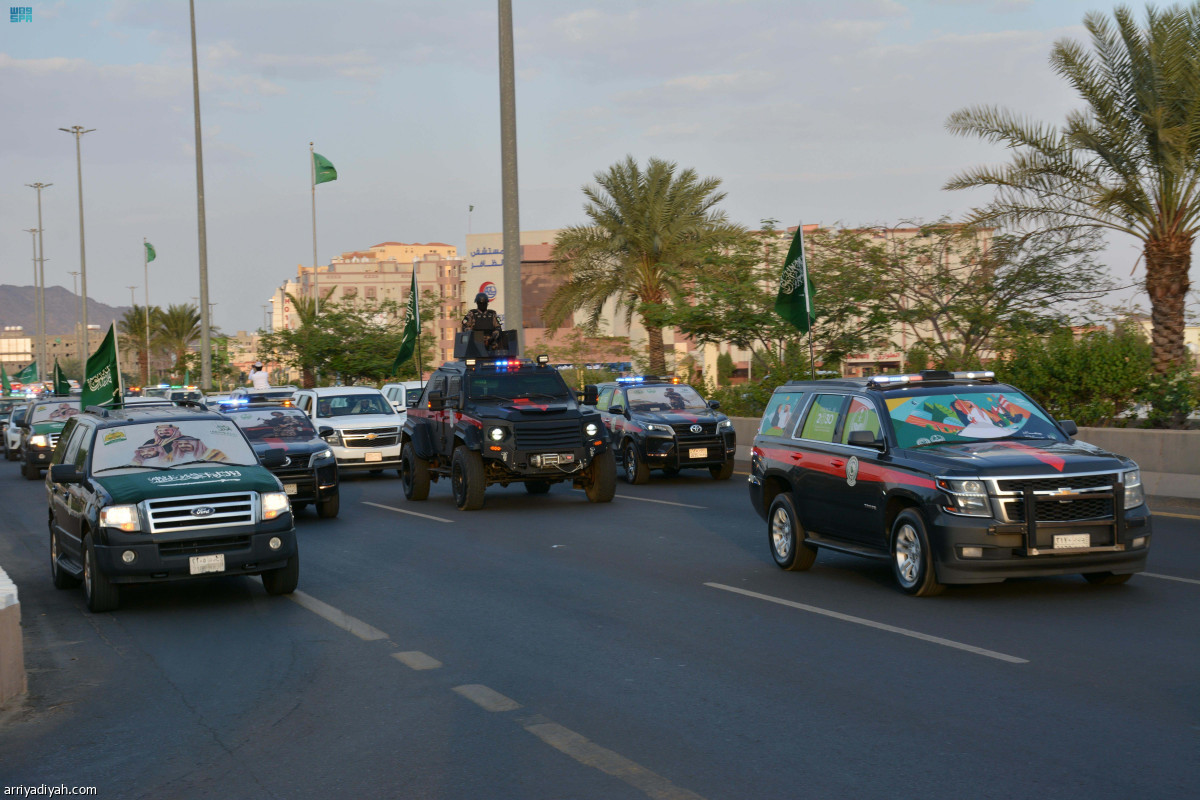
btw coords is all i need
(306, 310)
(647, 230)
(1129, 161)
(132, 328)
(179, 329)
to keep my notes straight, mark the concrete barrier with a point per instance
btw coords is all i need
(12, 652)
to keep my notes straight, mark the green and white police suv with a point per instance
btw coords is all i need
(156, 493)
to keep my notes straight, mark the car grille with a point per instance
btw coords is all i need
(53, 439)
(197, 547)
(1076, 482)
(1062, 510)
(370, 437)
(683, 430)
(175, 513)
(713, 448)
(548, 435)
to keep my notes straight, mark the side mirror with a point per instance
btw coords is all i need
(866, 439)
(616, 409)
(324, 431)
(1068, 427)
(411, 400)
(64, 473)
(714, 404)
(273, 458)
(437, 401)
(591, 395)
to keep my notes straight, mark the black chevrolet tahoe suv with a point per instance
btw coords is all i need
(482, 421)
(950, 477)
(158, 492)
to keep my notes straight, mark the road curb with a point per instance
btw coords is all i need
(12, 651)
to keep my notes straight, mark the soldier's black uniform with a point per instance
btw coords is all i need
(483, 318)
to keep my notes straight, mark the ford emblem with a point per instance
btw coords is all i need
(203, 511)
(696, 429)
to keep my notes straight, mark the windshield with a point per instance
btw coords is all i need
(663, 398)
(53, 412)
(535, 384)
(171, 444)
(289, 425)
(17, 413)
(188, 395)
(344, 405)
(270, 394)
(968, 417)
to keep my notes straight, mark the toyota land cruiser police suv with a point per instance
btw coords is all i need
(951, 477)
(156, 493)
(482, 421)
(660, 423)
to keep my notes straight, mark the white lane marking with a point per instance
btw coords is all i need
(415, 659)
(925, 637)
(1177, 516)
(593, 755)
(340, 618)
(1170, 578)
(406, 511)
(485, 698)
(660, 502)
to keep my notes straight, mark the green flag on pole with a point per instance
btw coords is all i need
(27, 375)
(62, 386)
(324, 171)
(5, 384)
(150, 254)
(102, 376)
(794, 302)
(412, 328)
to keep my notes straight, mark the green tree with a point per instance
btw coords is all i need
(1128, 161)
(132, 329)
(581, 346)
(725, 368)
(179, 329)
(917, 358)
(648, 229)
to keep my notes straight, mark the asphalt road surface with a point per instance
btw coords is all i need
(548, 648)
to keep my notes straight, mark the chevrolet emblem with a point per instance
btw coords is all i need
(370, 437)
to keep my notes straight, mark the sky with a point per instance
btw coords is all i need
(828, 112)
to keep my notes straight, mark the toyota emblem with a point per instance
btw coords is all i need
(203, 511)
(696, 429)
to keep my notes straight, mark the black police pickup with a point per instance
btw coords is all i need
(309, 470)
(40, 428)
(951, 477)
(660, 423)
(156, 493)
(482, 421)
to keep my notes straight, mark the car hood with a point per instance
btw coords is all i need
(355, 421)
(512, 411)
(291, 448)
(48, 427)
(689, 417)
(1012, 457)
(133, 487)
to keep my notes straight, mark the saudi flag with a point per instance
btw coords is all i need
(62, 386)
(102, 376)
(5, 385)
(323, 170)
(412, 328)
(794, 300)
(150, 254)
(27, 375)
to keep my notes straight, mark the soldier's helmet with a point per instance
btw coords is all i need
(481, 298)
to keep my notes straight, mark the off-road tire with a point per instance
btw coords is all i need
(466, 479)
(636, 471)
(100, 593)
(912, 557)
(284, 579)
(602, 487)
(414, 474)
(328, 508)
(723, 472)
(786, 537)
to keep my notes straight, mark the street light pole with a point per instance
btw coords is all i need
(205, 316)
(508, 178)
(33, 351)
(79, 131)
(40, 294)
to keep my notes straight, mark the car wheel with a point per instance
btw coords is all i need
(537, 487)
(466, 479)
(30, 471)
(635, 468)
(100, 593)
(284, 579)
(328, 507)
(603, 484)
(723, 472)
(789, 545)
(414, 475)
(1107, 578)
(912, 557)
(9, 453)
(62, 579)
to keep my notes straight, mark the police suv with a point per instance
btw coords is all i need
(482, 421)
(950, 477)
(156, 493)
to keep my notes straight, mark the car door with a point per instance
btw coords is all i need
(602, 403)
(60, 494)
(858, 503)
(78, 494)
(823, 464)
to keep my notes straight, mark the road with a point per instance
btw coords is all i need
(548, 648)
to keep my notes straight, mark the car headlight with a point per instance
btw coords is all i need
(651, 426)
(37, 441)
(590, 429)
(496, 434)
(123, 518)
(967, 497)
(334, 438)
(320, 456)
(274, 504)
(1135, 495)
(725, 423)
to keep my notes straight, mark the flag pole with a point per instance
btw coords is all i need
(312, 167)
(812, 368)
(146, 268)
(417, 307)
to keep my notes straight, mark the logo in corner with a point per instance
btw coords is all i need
(852, 471)
(20, 13)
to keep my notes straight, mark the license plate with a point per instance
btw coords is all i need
(1072, 540)
(198, 565)
(374, 457)
(697, 452)
(289, 488)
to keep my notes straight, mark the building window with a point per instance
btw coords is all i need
(370, 292)
(349, 291)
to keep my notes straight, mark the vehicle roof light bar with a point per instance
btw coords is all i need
(892, 380)
(975, 375)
